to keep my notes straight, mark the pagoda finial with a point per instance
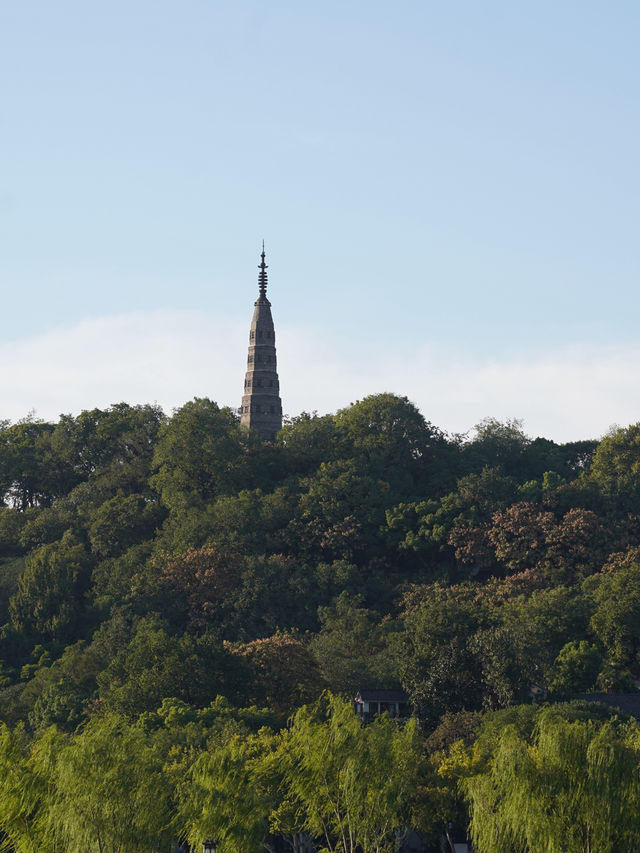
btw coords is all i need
(262, 277)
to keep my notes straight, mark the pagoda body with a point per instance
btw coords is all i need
(261, 405)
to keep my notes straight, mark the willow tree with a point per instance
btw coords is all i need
(110, 792)
(231, 791)
(24, 796)
(573, 787)
(349, 784)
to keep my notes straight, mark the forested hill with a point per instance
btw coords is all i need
(146, 556)
(164, 578)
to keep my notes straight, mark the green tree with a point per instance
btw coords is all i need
(12, 524)
(122, 581)
(498, 444)
(122, 522)
(350, 784)
(616, 467)
(200, 454)
(274, 591)
(352, 648)
(572, 788)
(456, 522)
(155, 665)
(436, 663)
(111, 792)
(43, 526)
(231, 792)
(576, 668)
(308, 440)
(340, 513)
(64, 694)
(11, 570)
(615, 617)
(398, 444)
(504, 670)
(543, 622)
(24, 795)
(247, 520)
(50, 603)
(115, 444)
(32, 473)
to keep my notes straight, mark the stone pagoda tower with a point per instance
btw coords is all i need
(261, 406)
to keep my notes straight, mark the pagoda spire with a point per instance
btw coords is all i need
(261, 408)
(262, 277)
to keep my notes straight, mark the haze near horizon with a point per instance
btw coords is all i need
(448, 196)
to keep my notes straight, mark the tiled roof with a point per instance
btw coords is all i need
(628, 703)
(382, 695)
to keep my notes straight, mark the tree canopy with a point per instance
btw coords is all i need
(150, 563)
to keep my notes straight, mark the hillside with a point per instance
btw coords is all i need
(157, 562)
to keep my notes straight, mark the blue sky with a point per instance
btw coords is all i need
(449, 195)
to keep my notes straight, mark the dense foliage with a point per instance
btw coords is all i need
(149, 564)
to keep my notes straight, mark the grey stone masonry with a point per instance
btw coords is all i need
(261, 407)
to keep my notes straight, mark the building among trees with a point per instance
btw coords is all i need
(261, 407)
(371, 703)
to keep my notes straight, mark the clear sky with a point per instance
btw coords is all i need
(449, 193)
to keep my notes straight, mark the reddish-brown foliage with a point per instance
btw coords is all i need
(198, 580)
(287, 675)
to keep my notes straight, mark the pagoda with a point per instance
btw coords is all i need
(261, 407)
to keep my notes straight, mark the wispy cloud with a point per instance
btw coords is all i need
(169, 358)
